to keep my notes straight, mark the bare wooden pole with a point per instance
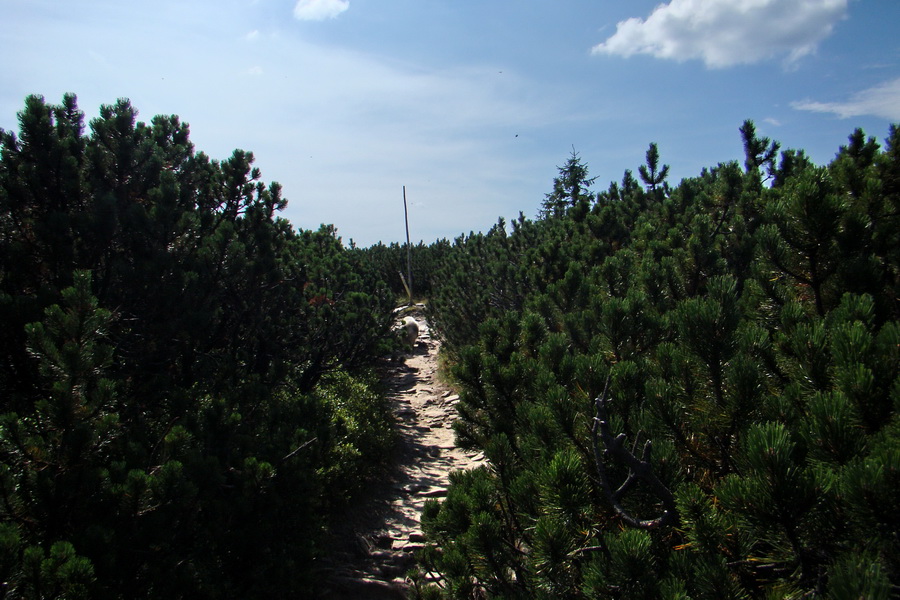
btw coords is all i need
(409, 280)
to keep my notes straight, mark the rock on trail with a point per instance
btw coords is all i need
(386, 532)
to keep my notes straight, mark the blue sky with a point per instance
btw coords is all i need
(470, 105)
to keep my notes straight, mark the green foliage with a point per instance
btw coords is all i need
(182, 373)
(685, 392)
(570, 189)
(360, 432)
(653, 174)
(389, 262)
(743, 329)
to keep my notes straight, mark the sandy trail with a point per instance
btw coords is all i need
(377, 550)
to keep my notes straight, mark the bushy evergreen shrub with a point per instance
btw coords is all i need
(183, 375)
(692, 392)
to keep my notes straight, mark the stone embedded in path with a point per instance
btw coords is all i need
(434, 493)
(424, 413)
(392, 571)
(371, 588)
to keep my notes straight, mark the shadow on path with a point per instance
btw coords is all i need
(375, 545)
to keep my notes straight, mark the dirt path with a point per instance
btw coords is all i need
(387, 530)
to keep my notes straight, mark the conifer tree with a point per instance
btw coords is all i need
(52, 473)
(758, 152)
(652, 173)
(570, 188)
(801, 237)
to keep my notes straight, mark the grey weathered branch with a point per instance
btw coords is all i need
(639, 469)
(298, 449)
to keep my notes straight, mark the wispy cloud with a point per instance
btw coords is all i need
(319, 10)
(882, 100)
(723, 33)
(343, 130)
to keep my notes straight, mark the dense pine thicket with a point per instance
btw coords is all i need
(683, 392)
(390, 263)
(183, 383)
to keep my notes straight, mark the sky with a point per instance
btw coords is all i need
(471, 105)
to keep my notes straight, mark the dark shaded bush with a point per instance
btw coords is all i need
(182, 373)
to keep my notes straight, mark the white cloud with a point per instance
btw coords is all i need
(723, 33)
(881, 101)
(252, 36)
(319, 10)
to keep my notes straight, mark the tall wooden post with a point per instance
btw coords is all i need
(409, 280)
